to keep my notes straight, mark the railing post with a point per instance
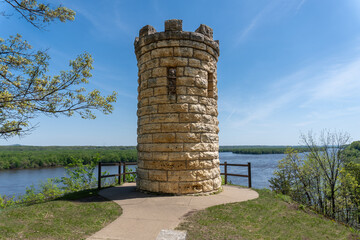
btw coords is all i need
(249, 174)
(99, 176)
(119, 172)
(124, 171)
(225, 171)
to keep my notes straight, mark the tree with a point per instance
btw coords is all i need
(322, 178)
(326, 152)
(26, 90)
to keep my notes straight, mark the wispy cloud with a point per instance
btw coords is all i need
(301, 3)
(108, 25)
(325, 90)
(274, 10)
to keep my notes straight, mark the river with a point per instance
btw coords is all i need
(15, 182)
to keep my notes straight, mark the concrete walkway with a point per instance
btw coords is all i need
(145, 215)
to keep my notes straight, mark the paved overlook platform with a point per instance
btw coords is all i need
(145, 215)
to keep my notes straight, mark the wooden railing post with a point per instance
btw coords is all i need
(225, 171)
(249, 174)
(99, 176)
(119, 172)
(124, 171)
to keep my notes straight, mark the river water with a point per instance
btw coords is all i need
(15, 182)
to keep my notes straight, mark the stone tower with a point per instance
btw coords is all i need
(178, 139)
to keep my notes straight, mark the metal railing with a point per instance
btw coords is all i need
(121, 171)
(226, 174)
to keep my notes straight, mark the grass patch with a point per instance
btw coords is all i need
(73, 216)
(268, 217)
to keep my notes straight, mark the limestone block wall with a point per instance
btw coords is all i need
(177, 110)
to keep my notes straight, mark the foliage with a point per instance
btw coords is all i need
(352, 152)
(267, 217)
(322, 178)
(26, 88)
(259, 149)
(73, 216)
(12, 157)
(38, 14)
(80, 176)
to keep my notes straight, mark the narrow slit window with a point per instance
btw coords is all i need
(210, 85)
(171, 81)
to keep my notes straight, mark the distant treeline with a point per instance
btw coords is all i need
(260, 149)
(13, 157)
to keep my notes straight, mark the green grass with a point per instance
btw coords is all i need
(74, 216)
(267, 217)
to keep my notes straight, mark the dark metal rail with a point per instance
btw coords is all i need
(225, 173)
(123, 173)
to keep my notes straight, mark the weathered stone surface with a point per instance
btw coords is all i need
(146, 30)
(160, 156)
(161, 147)
(200, 147)
(190, 117)
(211, 110)
(208, 185)
(190, 187)
(169, 187)
(200, 164)
(164, 118)
(182, 176)
(164, 137)
(168, 43)
(145, 138)
(142, 173)
(204, 128)
(162, 52)
(182, 156)
(149, 65)
(173, 108)
(146, 93)
(157, 175)
(206, 30)
(147, 185)
(146, 110)
(187, 99)
(160, 91)
(217, 182)
(173, 25)
(175, 127)
(187, 137)
(157, 82)
(202, 55)
(159, 72)
(177, 110)
(209, 138)
(185, 81)
(202, 92)
(208, 155)
(197, 108)
(183, 52)
(158, 98)
(173, 61)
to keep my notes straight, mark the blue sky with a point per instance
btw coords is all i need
(285, 67)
